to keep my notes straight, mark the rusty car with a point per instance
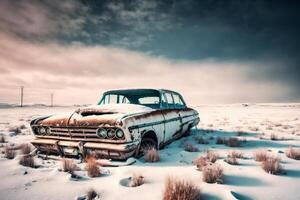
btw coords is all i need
(125, 123)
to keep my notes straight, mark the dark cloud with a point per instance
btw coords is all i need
(72, 39)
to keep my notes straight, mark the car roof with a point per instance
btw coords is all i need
(137, 91)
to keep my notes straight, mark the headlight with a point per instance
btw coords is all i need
(48, 131)
(42, 130)
(101, 132)
(111, 133)
(119, 133)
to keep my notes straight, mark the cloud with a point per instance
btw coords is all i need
(78, 49)
(78, 73)
(42, 19)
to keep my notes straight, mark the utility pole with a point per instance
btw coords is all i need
(22, 88)
(52, 99)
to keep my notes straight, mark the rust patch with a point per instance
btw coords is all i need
(54, 122)
(93, 122)
(159, 112)
(78, 121)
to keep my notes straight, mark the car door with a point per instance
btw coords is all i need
(187, 115)
(172, 118)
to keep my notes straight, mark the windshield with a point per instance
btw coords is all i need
(149, 98)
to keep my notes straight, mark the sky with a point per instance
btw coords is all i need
(210, 51)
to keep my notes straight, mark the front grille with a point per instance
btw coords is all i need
(75, 134)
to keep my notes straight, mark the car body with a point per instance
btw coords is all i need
(125, 123)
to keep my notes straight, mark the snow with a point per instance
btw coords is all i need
(120, 108)
(254, 123)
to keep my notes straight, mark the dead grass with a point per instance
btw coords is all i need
(231, 160)
(27, 161)
(68, 165)
(26, 148)
(91, 194)
(232, 142)
(2, 139)
(151, 155)
(212, 174)
(272, 165)
(10, 153)
(92, 167)
(241, 133)
(211, 156)
(189, 147)
(236, 154)
(201, 140)
(16, 130)
(274, 137)
(220, 140)
(176, 189)
(207, 158)
(22, 126)
(136, 180)
(293, 153)
(201, 162)
(260, 155)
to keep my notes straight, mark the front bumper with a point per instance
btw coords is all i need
(74, 148)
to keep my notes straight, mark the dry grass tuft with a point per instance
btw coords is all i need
(2, 139)
(16, 130)
(201, 140)
(201, 162)
(211, 156)
(91, 194)
(272, 165)
(9, 152)
(236, 154)
(260, 155)
(22, 126)
(189, 147)
(92, 167)
(231, 160)
(274, 137)
(27, 161)
(136, 180)
(180, 190)
(293, 153)
(212, 174)
(220, 140)
(232, 142)
(26, 148)
(151, 155)
(206, 159)
(241, 133)
(68, 165)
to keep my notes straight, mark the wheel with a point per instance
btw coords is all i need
(187, 132)
(146, 144)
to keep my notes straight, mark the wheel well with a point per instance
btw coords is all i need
(150, 134)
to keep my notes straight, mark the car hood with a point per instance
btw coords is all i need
(110, 114)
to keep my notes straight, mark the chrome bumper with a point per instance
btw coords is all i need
(74, 148)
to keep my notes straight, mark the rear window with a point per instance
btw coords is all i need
(149, 100)
(178, 101)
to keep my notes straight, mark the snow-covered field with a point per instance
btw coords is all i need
(253, 125)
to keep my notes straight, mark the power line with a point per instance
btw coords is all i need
(52, 99)
(22, 88)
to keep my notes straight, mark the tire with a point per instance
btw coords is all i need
(187, 133)
(146, 144)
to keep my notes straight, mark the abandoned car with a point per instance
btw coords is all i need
(125, 123)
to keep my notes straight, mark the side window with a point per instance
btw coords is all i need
(113, 98)
(178, 101)
(164, 102)
(123, 99)
(170, 100)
